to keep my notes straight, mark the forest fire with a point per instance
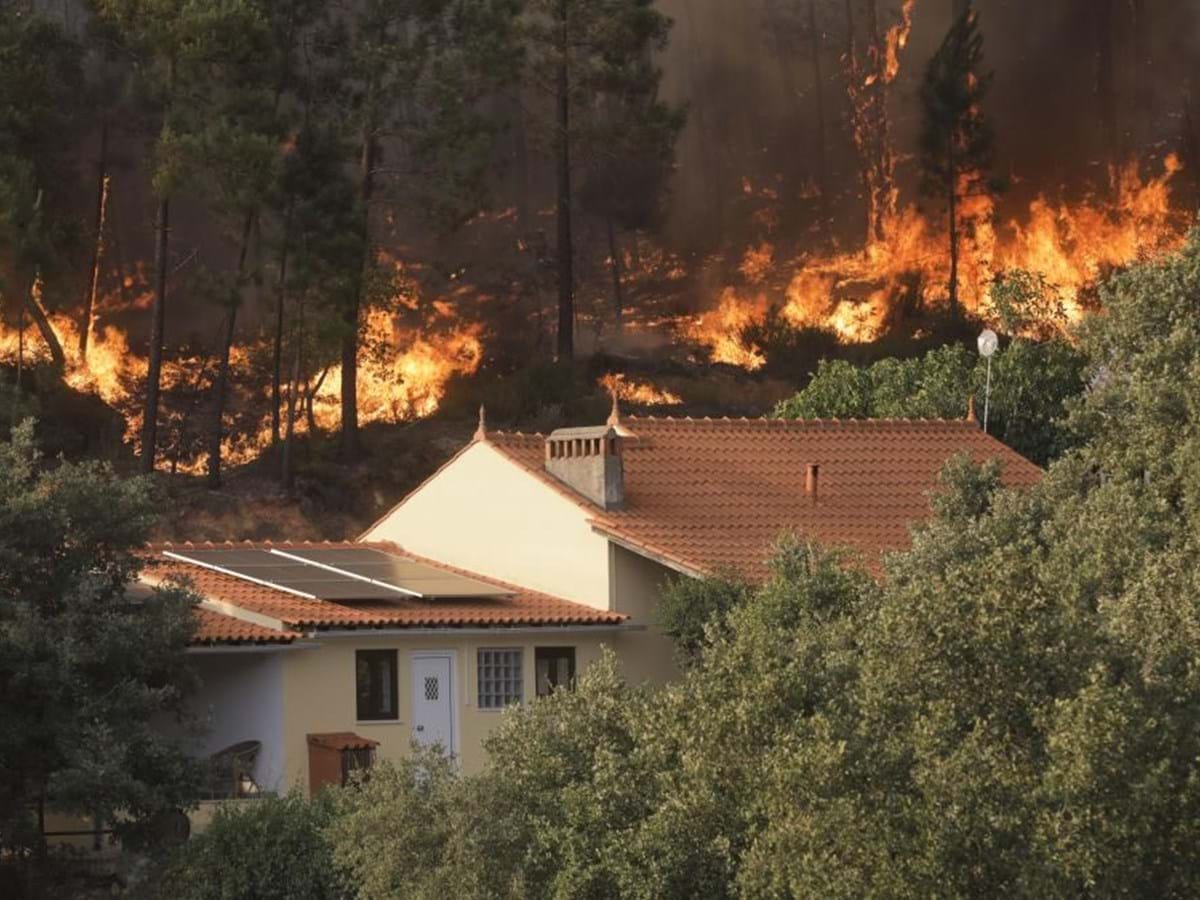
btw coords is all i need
(853, 294)
(403, 379)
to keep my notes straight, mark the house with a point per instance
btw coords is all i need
(311, 668)
(508, 569)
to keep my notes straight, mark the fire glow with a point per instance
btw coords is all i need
(853, 294)
(404, 379)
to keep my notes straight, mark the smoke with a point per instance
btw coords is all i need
(747, 72)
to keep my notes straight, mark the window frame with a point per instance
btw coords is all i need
(554, 653)
(496, 699)
(372, 713)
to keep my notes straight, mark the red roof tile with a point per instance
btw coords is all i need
(214, 627)
(708, 494)
(522, 608)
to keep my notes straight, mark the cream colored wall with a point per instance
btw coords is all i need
(646, 654)
(485, 513)
(319, 689)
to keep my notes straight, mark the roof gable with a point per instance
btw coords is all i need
(709, 494)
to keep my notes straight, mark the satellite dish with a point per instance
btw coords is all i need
(988, 343)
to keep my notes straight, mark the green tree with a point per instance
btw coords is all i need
(956, 140)
(1032, 383)
(41, 83)
(688, 607)
(85, 667)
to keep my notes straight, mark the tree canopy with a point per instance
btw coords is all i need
(88, 670)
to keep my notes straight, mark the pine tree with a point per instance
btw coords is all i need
(414, 77)
(627, 158)
(41, 83)
(590, 59)
(956, 141)
(183, 54)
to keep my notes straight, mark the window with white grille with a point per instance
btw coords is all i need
(500, 678)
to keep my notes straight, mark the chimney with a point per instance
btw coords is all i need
(811, 477)
(588, 460)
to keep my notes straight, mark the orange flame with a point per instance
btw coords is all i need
(640, 392)
(407, 379)
(853, 294)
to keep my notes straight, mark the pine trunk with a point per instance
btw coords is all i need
(280, 303)
(45, 329)
(221, 385)
(157, 320)
(1106, 90)
(351, 447)
(823, 182)
(520, 163)
(89, 300)
(952, 205)
(566, 269)
(614, 253)
(287, 471)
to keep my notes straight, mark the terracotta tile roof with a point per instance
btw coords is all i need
(214, 627)
(707, 494)
(522, 608)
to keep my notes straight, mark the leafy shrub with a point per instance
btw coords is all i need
(273, 847)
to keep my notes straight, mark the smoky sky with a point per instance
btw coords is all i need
(749, 82)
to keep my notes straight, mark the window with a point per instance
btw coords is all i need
(553, 667)
(376, 678)
(499, 678)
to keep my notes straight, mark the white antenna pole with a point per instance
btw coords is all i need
(988, 342)
(987, 395)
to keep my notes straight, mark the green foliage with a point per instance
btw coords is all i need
(84, 668)
(274, 847)
(689, 607)
(1031, 384)
(393, 831)
(41, 81)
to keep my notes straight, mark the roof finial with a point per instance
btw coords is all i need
(614, 415)
(481, 430)
(971, 408)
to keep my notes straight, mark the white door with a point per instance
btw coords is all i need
(433, 700)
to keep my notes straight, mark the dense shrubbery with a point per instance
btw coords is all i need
(273, 848)
(1012, 710)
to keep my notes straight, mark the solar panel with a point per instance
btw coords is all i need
(297, 578)
(338, 574)
(417, 578)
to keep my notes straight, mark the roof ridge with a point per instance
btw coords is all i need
(782, 421)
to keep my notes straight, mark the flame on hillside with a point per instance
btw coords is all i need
(403, 377)
(853, 294)
(642, 393)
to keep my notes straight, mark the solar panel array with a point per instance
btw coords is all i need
(343, 574)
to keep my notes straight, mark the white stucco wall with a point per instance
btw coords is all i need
(241, 699)
(485, 513)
